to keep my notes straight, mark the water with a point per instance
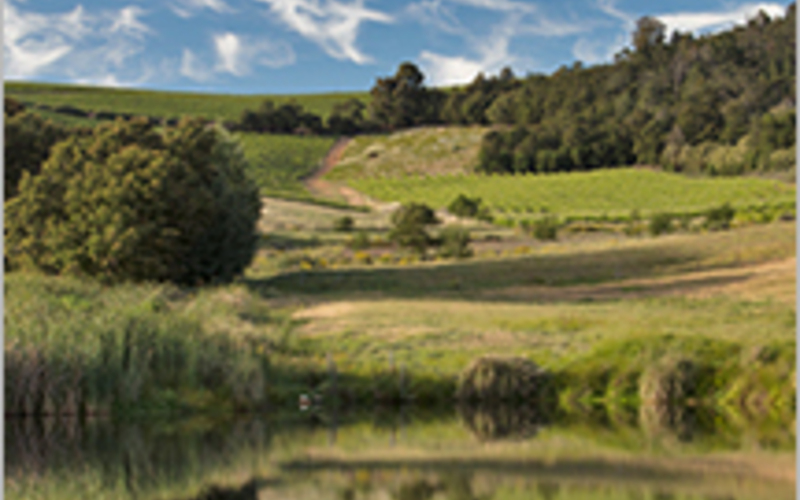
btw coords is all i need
(497, 454)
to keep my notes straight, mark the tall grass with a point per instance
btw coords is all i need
(78, 348)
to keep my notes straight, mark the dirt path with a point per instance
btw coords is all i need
(326, 189)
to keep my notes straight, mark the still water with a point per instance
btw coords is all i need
(486, 454)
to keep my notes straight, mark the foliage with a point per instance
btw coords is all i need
(12, 107)
(546, 228)
(402, 100)
(344, 224)
(494, 379)
(359, 241)
(409, 223)
(661, 223)
(288, 118)
(28, 142)
(719, 218)
(133, 203)
(464, 206)
(454, 243)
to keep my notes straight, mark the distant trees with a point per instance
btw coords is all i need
(129, 202)
(402, 100)
(289, 118)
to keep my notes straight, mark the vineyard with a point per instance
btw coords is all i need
(607, 193)
(278, 163)
(164, 104)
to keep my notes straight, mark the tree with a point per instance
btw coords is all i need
(402, 100)
(649, 33)
(28, 140)
(133, 203)
(409, 223)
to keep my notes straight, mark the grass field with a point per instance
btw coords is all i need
(164, 104)
(419, 151)
(613, 192)
(279, 163)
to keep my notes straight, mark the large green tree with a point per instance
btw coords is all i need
(131, 202)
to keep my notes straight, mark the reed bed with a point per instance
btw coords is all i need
(77, 348)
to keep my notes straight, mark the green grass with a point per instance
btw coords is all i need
(162, 103)
(614, 192)
(279, 163)
(420, 151)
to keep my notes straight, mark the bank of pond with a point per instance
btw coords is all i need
(465, 452)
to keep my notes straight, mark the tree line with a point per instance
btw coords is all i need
(720, 104)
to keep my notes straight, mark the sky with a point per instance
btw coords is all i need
(313, 46)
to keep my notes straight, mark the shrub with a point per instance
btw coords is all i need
(454, 243)
(132, 203)
(344, 224)
(409, 226)
(359, 241)
(719, 218)
(546, 228)
(503, 379)
(660, 224)
(464, 206)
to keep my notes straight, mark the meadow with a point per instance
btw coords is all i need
(612, 192)
(163, 103)
(420, 151)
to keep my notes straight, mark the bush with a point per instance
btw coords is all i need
(493, 379)
(660, 224)
(344, 224)
(719, 218)
(454, 243)
(464, 206)
(359, 241)
(409, 227)
(133, 203)
(546, 229)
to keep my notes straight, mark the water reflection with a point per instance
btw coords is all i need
(473, 453)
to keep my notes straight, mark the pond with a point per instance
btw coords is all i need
(403, 454)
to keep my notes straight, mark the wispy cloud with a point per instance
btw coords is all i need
(489, 52)
(714, 21)
(235, 55)
(188, 8)
(74, 44)
(331, 24)
(192, 68)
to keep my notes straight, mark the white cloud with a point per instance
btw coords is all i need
(192, 68)
(493, 55)
(329, 23)
(490, 52)
(714, 21)
(126, 21)
(594, 52)
(236, 54)
(187, 8)
(76, 45)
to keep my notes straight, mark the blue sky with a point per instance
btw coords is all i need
(300, 46)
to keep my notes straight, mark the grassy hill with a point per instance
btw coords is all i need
(164, 104)
(419, 151)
